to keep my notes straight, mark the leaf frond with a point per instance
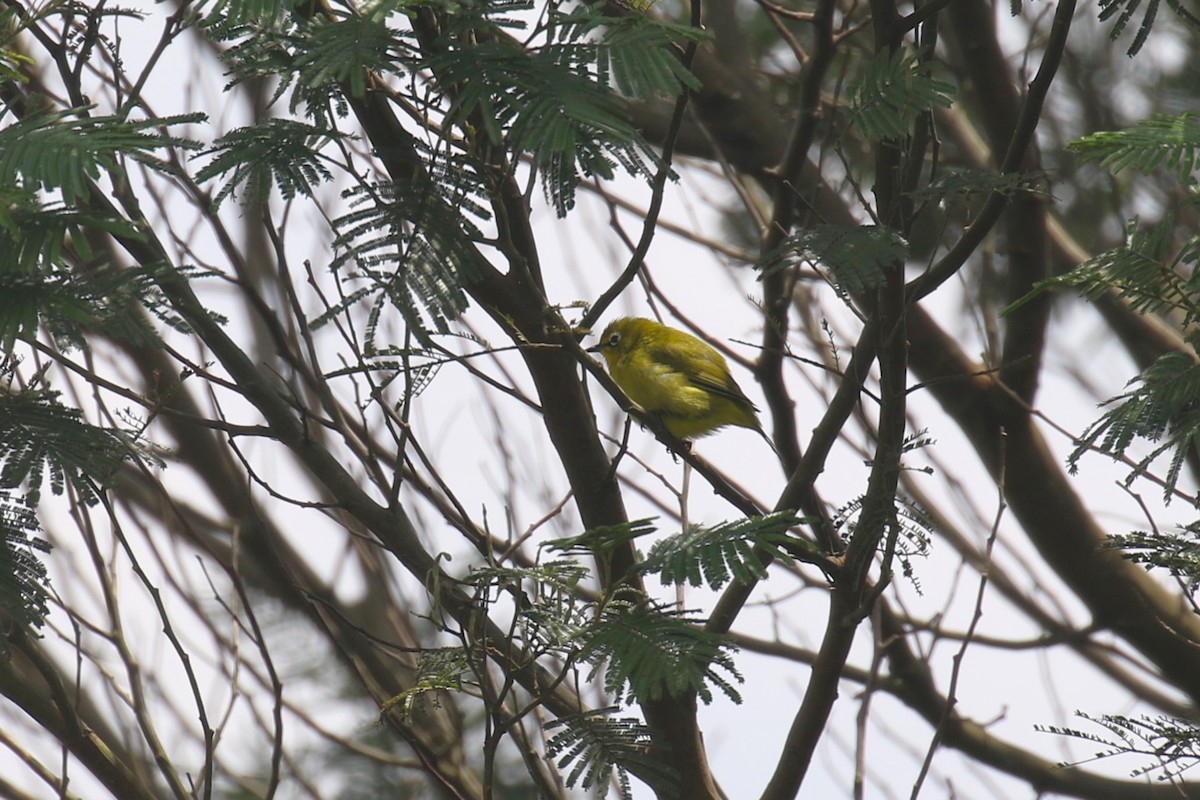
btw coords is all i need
(64, 151)
(281, 153)
(1124, 10)
(415, 250)
(594, 745)
(439, 670)
(1170, 746)
(895, 89)
(1177, 552)
(40, 438)
(649, 651)
(1144, 146)
(711, 556)
(602, 538)
(856, 257)
(1142, 271)
(1163, 408)
(23, 580)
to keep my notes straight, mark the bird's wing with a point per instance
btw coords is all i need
(704, 371)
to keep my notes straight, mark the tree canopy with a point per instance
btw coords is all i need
(310, 488)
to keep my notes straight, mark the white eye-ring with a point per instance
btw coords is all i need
(614, 340)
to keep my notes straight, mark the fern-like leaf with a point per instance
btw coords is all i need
(22, 574)
(594, 745)
(12, 62)
(64, 151)
(280, 152)
(32, 235)
(650, 651)
(1177, 552)
(1124, 10)
(638, 54)
(1173, 140)
(260, 12)
(1163, 408)
(69, 303)
(965, 181)
(414, 248)
(602, 538)
(41, 438)
(1170, 746)
(545, 103)
(895, 89)
(1142, 271)
(910, 528)
(345, 50)
(711, 556)
(438, 670)
(857, 257)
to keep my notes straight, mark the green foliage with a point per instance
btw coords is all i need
(857, 257)
(259, 52)
(895, 89)
(1178, 553)
(347, 50)
(650, 651)
(1142, 271)
(542, 102)
(637, 54)
(602, 538)
(22, 574)
(1146, 145)
(69, 303)
(41, 438)
(418, 366)
(712, 555)
(909, 530)
(33, 235)
(962, 181)
(412, 248)
(63, 151)
(440, 669)
(1124, 10)
(262, 12)
(1155, 275)
(1163, 407)
(279, 152)
(11, 62)
(550, 613)
(595, 744)
(1172, 746)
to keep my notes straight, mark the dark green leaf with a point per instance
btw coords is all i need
(1172, 140)
(1124, 10)
(22, 575)
(895, 89)
(857, 257)
(651, 651)
(712, 556)
(1162, 408)
(64, 151)
(279, 152)
(41, 438)
(594, 745)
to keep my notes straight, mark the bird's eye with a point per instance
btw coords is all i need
(614, 340)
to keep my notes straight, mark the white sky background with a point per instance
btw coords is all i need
(1016, 689)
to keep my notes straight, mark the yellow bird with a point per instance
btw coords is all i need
(676, 376)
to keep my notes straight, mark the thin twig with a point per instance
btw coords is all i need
(952, 694)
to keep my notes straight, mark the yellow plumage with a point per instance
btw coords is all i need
(676, 376)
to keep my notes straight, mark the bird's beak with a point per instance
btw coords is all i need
(596, 348)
